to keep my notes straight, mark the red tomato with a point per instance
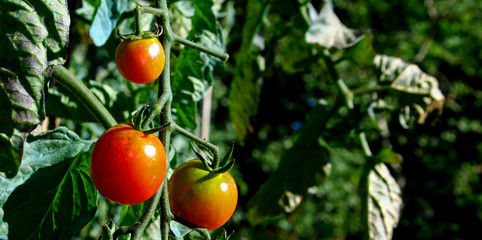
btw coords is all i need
(140, 61)
(128, 166)
(201, 197)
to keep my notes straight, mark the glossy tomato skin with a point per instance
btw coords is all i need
(200, 197)
(128, 166)
(140, 61)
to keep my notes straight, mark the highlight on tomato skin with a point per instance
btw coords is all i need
(128, 166)
(200, 197)
(141, 60)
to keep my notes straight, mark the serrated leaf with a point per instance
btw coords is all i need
(382, 203)
(33, 38)
(53, 189)
(193, 74)
(244, 91)
(301, 167)
(327, 30)
(409, 79)
(105, 20)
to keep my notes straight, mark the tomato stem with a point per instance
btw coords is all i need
(221, 55)
(68, 79)
(137, 20)
(211, 147)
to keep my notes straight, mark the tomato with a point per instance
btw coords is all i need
(140, 61)
(201, 197)
(128, 166)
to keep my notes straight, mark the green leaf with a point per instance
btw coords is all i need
(194, 69)
(409, 79)
(362, 52)
(53, 190)
(105, 20)
(244, 91)
(131, 214)
(327, 30)
(303, 166)
(382, 202)
(33, 38)
(387, 155)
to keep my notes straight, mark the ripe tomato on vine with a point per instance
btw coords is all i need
(140, 60)
(201, 197)
(127, 165)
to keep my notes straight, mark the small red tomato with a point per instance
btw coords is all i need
(203, 198)
(140, 61)
(128, 166)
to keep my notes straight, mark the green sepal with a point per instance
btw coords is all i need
(203, 231)
(227, 158)
(141, 122)
(225, 168)
(158, 129)
(205, 158)
(138, 117)
(108, 230)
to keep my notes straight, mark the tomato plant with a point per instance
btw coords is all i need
(201, 197)
(128, 166)
(140, 60)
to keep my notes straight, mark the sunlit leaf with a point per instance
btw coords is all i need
(409, 79)
(105, 20)
(33, 36)
(53, 189)
(382, 203)
(327, 30)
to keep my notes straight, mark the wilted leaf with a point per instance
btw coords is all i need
(327, 30)
(303, 166)
(105, 19)
(378, 111)
(53, 189)
(193, 74)
(33, 37)
(408, 78)
(383, 203)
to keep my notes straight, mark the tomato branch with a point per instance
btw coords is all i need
(221, 55)
(212, 148)
(67, 79)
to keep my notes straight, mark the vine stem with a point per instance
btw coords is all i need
(348, 96)
(360, 91)
(68, 79)
(213, 148)
(221, 55)
(165, 99)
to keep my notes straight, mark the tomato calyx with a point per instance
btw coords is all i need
(207, 157)
(140, 120)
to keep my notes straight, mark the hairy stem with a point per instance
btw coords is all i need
(221, 55)
(67, 79)
(213, 148)
(165, 99)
